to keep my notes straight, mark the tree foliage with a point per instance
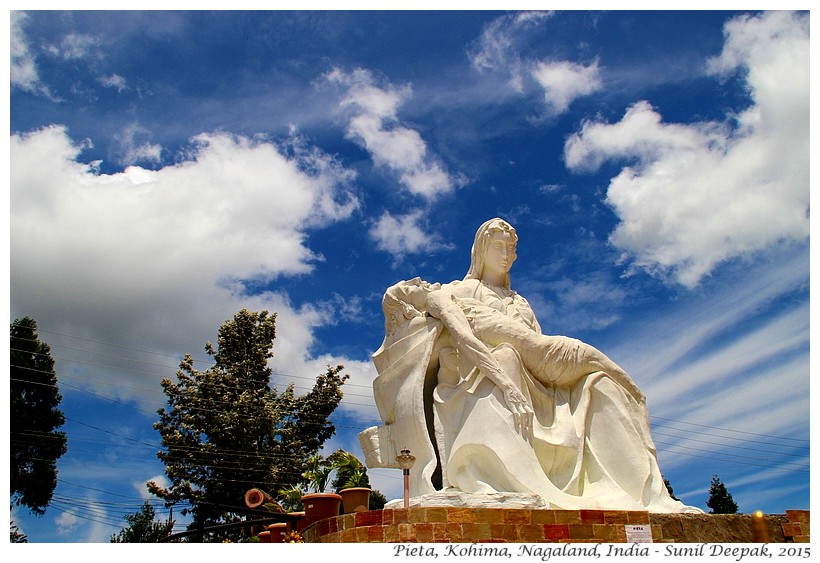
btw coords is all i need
(142, 528)
(35, 443)
(668, 486)
(225, 430)
(720, 499)
(15, 535)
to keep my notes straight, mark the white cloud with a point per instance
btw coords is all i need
(67, 522)
(700, 194)
(157, 257)
(497, 48)
(564, 81)
(76, 46)
(114, 81)
(404, 234)
(130, 148)
(24, 74)
(375, 125)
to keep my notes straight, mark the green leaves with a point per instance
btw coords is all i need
(34, 416)
(225, 430)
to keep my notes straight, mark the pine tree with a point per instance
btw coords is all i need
(34, 416)
(669, 488)
(142, 528)
(720, 499)
(226, 430)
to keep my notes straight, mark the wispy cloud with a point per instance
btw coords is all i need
(132, 149)
(119, 83)
(699, 194)
(24, 73)
(498, 50)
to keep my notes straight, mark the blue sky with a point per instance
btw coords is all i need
(168, 169)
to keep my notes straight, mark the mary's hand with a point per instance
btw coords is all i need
(521, 410)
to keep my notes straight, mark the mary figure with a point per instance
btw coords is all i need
(491, 406)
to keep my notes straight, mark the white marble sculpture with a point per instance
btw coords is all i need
(496, 411)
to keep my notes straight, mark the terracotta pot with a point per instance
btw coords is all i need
(319, 506)
(278, 532)
(355, 499)
(264, 537)
(300, 523)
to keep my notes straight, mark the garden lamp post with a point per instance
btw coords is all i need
(405, 461)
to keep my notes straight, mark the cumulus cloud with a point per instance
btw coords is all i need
(403, 234)
(160, 257)
(374, 123)
(565, 81)
(695, 195)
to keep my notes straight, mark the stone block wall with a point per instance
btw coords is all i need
(484, 525)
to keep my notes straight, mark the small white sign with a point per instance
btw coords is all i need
(638, 533)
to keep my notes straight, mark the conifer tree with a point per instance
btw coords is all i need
(225, 430)
(720, 499)
(668, 486)
(34, 416)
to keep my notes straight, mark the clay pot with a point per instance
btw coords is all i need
(277, 532)
(355, 499)
(319, 506)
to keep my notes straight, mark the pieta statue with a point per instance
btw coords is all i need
(489, 405)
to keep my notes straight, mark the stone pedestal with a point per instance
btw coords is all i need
(524, 525)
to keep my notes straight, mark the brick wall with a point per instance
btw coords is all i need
(481, 525)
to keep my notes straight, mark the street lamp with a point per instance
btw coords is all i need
(405, 461)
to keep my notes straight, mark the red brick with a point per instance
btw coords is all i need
(348, 536)
(424, 532)
(567, 516)
(605, 532)
(475, 532)
(542, 517)
(407, 533)
(391, 534)
(372, 518)
(556, 531)
(489, 515)
(375, 534)
(791, 530)
(592, 516)
(638, 517)
(322, 528)
(616, 517)
(516, 516)
(460, 515)
(581, 531)
(530, 533)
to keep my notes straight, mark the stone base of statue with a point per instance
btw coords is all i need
(495, 527)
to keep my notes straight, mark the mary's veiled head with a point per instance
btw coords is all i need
(481, 243)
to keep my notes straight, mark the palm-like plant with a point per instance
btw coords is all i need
(350, 472)
(318, 472)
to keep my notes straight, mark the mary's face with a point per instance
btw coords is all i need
(500, 254)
